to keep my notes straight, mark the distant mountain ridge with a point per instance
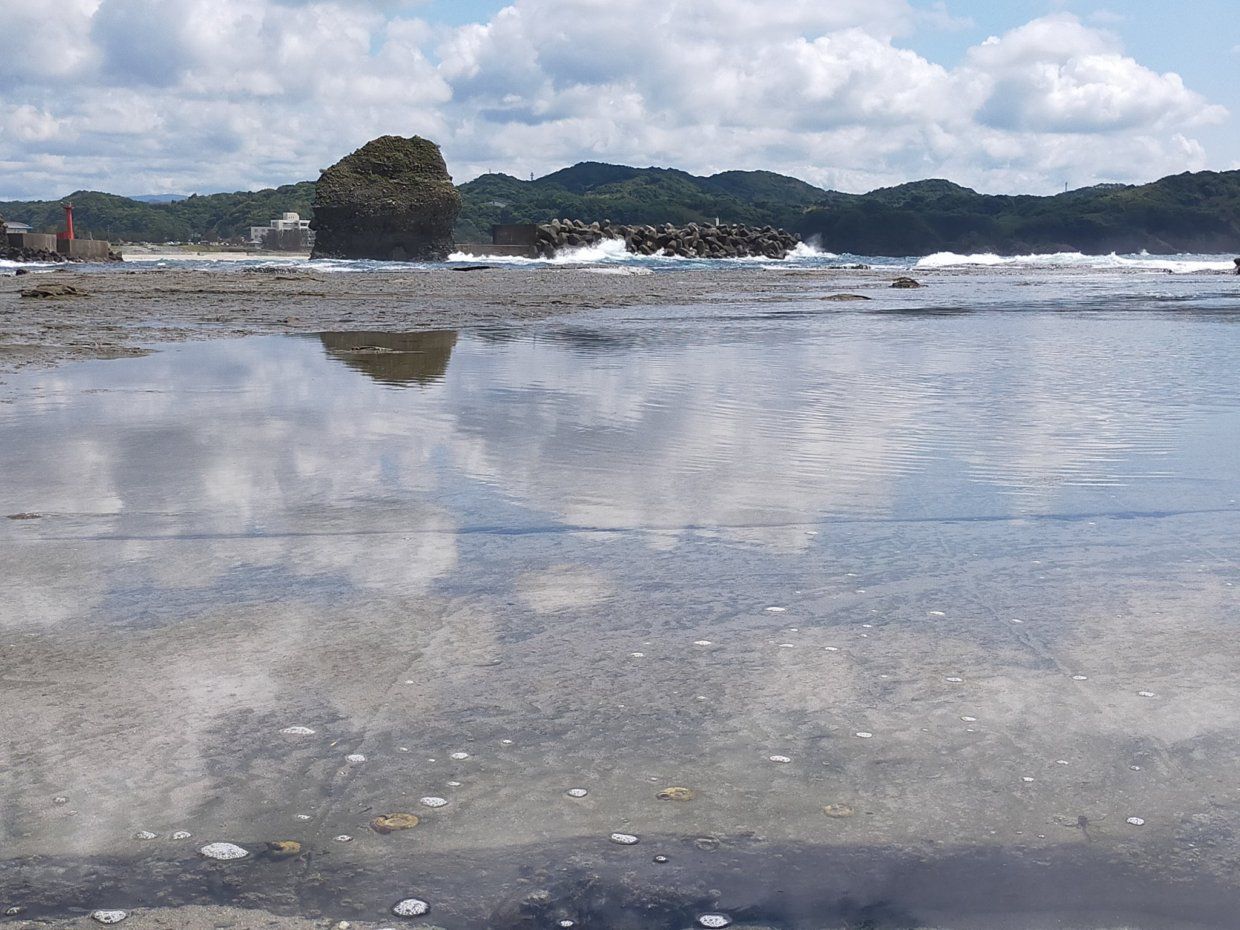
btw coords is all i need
(1195, 212)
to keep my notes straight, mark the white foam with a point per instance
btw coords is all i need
(1176, 264)
(224, 852)
(410, 907)
(613, 252)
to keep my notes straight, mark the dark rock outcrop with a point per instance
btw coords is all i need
(392, 200)
(692, 241)
(54, 290)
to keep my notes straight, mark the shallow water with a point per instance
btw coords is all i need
(967, 561)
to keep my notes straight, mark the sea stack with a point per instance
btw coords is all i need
(391, 200)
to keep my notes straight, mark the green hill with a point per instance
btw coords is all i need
(594, 191)
(1184, 213)
(120, 219)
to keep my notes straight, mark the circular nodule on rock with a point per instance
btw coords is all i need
(660, 860)
(780, 760)
(576, 792)
(566, 923)
(13, 911)
(355, 758)
(390, 823)
(624, 839)
(1146, 694)
(676, 793)
(714, 921)
(459, 756)
(864, 734)
(1136, 821)
(955, 679)
(60, 799)
(411, 907)
(838, 810)
(433, 802)
(145, 835)
(298, 731)
(343, 838)
(284, 849)
(224, 852)
(182, 835)
(706, 843)
(108, 917)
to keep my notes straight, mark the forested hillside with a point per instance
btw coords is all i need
(1185, 213)
(209, 217)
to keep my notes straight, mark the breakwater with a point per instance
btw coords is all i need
(733, 240)
(45, 247)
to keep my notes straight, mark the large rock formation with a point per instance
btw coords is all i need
(392, 199)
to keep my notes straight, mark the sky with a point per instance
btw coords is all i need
(1018, 96)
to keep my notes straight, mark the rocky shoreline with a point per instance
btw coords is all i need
(43, 256)
(734, 240)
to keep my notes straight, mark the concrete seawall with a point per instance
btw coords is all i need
(38, 242)
(50, 247)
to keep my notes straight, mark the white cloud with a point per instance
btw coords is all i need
(221, 94)
(1056, 75)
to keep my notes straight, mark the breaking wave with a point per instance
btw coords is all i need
(1176, 264)
(612, 251)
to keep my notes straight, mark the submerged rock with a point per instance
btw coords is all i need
(108, 917)
(390, 823)
(52, 291)
(391, 200)
(677, 793)
(904, 283)
(283, 849)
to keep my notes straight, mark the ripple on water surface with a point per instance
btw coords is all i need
(842, 573)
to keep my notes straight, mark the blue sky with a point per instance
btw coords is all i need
(138, 96)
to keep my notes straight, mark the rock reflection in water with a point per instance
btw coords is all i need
(394, 358)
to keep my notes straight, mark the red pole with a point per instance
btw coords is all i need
(68, 221)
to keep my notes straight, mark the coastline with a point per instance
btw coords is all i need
(129, 312)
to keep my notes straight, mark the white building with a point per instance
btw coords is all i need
(286, 222)
(12, 226)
